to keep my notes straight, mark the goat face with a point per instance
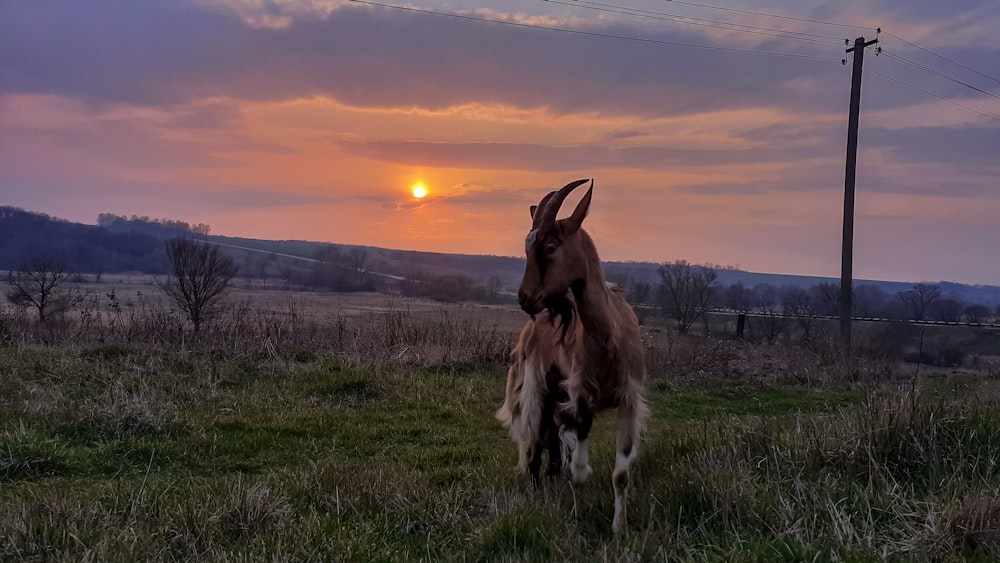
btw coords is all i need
(554, 249)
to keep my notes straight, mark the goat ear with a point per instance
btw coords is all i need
(533, 209)
(574, 221)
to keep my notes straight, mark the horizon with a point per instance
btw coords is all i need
(718, 267)
(718, 143)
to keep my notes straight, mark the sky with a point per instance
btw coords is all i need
(713, 135)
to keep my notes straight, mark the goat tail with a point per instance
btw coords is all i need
(633, 399)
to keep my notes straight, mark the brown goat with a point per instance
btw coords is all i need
(580, 353)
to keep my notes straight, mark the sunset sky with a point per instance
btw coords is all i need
(314, 120)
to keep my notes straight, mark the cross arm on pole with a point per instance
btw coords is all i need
(872, 42)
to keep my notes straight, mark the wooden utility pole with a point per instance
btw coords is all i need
(847, 245)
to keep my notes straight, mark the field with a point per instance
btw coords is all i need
(360, 428)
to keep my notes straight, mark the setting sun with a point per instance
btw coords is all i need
(419, 191)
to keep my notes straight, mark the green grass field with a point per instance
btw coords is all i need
(136, 451)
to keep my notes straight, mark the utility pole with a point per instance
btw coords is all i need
(847, 245)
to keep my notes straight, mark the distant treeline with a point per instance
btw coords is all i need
(118, 243)
(455, 288)
(112, 221)
(683, 291)
(115, 244)
(352, 269)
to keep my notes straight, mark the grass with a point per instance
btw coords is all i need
(279, 448)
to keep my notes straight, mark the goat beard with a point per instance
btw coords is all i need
(563, 308)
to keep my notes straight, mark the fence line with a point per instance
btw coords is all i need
(724, 311)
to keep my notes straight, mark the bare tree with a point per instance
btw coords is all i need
(687, 290)
(798, 302)
(976, 313)
(868, 300)
(640, 292)
(494, 287)
(358, 262)
(201, 274)
(738, 297)
(636, 283)
(767, 302)
(259, 269)
(358, 259)
(40, 283)
(947, 310)
(826, 298)
(919, 299)
(327, 272)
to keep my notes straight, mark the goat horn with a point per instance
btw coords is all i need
(548, 214)
(540, 210)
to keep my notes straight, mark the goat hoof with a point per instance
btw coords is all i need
(618, 526)
(618, 523)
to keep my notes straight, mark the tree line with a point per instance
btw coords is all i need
(115, 244)
(113, 221)
(685, 291)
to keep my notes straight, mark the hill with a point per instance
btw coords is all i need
(83, 248)
(118, 244)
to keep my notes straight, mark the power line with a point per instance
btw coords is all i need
(938, 74)
(932, 71)
(695, 21)
(751, 12)
(682, 44)
(729, 26)
(942, 57)
(592, 33)
(838, 24)
(949, 100)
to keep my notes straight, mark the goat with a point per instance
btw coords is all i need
(581, 352)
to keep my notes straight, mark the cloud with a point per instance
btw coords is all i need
(473, 196)
(325, 108)
(277, 14)
(622, 135)
(403, 204)
(967, 146)
(212, 114)
(269, 197)
(787, 132)
(369, 57)
(130, 52)
(482, 197)
(528, 156)
(723, 189)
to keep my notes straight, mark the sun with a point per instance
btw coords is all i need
(419, 191)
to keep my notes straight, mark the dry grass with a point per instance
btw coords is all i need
(295, 429)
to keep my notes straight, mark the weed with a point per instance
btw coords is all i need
(28, 454)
